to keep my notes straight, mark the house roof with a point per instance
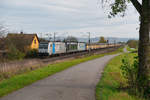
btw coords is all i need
(26, 38)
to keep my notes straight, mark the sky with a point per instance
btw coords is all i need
(67, 17)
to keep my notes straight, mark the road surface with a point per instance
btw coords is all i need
(125, 49)
(75, 83)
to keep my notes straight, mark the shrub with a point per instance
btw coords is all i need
(130, 72)
(14, 53)
(32, 53)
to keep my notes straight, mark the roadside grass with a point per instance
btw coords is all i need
(19, 81)
(131, 49)
(111, 80)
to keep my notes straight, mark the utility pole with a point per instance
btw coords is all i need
(49, 36)
(54, 36)
(108, 42)
(89, 41)
(114, 43)
(89, 37)
(41, 35)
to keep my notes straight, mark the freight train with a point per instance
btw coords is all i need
(53, 48)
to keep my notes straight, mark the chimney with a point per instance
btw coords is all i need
(21, 32)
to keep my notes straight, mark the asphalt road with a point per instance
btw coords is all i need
(75, 83)
(125, 49)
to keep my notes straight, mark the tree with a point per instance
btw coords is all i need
(102, 40)
(143, 8)
(70, 39)
(3, 30)
(43, 40)
(19, 43)
(132, 43)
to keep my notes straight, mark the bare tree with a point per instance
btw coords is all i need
(3, 30)
(71, 39)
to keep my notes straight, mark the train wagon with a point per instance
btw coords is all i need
(59, 47)
(96, 46)
(71, 47)
(103, 45)
(81, 46)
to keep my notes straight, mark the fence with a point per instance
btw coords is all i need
(14, 66)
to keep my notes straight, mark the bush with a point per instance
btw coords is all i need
(130, 72)
(14, 53)
(133, 44)
(32, 53)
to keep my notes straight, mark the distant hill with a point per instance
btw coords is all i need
(111, 39)
(96, 39)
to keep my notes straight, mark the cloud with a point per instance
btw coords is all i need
(66, 15)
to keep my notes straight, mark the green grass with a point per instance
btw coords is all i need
(22, 80)
(131, 50)
(107, 88)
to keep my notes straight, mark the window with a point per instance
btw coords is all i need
(43, 46)
(34, 41)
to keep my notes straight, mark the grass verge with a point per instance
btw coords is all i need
(131, 49)
(22, 80)
(108, 86)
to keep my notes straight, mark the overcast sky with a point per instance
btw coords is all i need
(73, 16)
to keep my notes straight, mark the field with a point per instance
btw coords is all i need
(108, 87)
(19, 81)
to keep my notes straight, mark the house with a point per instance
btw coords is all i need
(23, 42)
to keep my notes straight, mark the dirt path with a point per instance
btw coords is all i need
(75, 83)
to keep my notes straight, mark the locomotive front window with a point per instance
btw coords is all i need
(43, 46)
